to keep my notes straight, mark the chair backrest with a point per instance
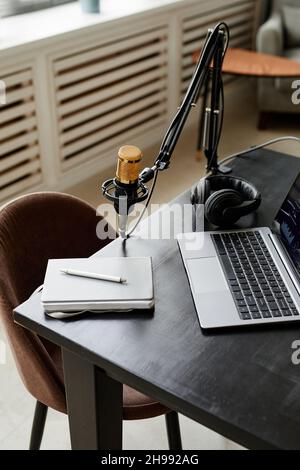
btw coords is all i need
(278, 4)
(290, 21)
(264, 11)
(34, 228)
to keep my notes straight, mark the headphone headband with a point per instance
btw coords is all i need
(218, 182)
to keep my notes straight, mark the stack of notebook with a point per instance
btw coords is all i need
(67, 293)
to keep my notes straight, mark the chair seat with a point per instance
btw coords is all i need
(136, 405)
(293, 54)
(284, 85)
(256, 64)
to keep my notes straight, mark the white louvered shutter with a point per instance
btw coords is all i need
(20, 164)
(110, 93)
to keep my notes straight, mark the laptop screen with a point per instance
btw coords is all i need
(287, 223)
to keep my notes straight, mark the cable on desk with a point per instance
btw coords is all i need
(260, 146)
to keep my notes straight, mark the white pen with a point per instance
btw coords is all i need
(102, 277)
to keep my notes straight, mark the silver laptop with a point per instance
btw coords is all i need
(247, 277)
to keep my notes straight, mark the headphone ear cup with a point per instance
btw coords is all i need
(200, 192)
(218, 202)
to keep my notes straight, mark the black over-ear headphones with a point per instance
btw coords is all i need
(226, 198)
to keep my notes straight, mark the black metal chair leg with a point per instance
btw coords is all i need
(173, 430)
(38, 426)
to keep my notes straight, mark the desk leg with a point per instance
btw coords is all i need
(95, 405)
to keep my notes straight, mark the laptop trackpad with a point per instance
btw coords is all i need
(206, 275)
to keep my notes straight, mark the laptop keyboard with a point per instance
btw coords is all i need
(256, 285)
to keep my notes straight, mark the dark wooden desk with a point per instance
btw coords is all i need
(240, 383)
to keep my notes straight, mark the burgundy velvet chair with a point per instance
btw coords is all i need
(34, 228)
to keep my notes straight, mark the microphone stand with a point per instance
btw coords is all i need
(209, 66)
(213, 130)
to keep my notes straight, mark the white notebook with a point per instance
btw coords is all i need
(66, 293)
